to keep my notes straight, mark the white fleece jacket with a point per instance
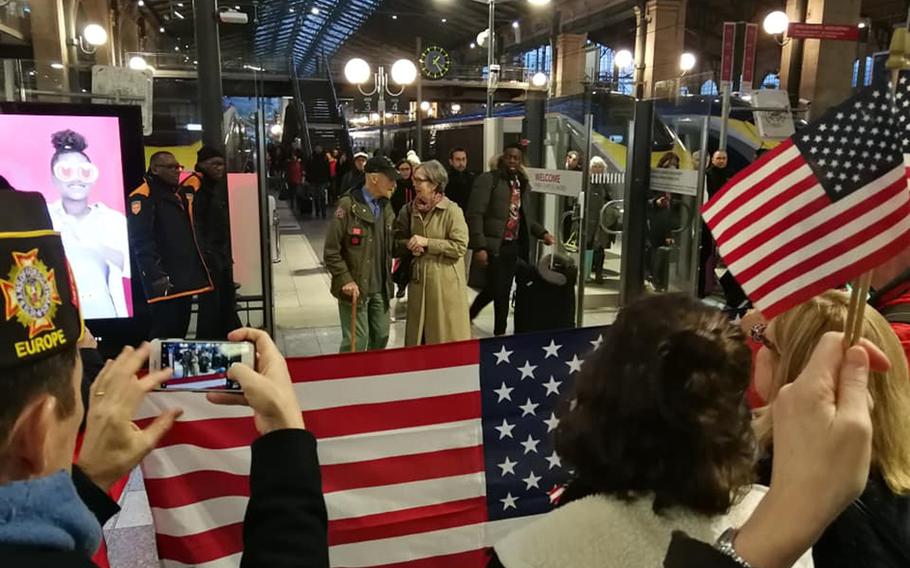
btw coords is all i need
(604, 532)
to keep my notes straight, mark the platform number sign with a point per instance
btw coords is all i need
(435, 62)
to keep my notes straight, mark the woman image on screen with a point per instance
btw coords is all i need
(94, 235)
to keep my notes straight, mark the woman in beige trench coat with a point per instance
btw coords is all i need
(432, 230)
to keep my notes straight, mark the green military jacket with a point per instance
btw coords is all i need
(349, 243)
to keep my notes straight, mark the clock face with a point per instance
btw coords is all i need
(434, 62)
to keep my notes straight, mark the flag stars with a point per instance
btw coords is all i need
(528, 408)
(597, 342)
(532, 481)
(509, 502)
(507, 466)
(505, 431)
(504, 392)
(574, 364)
(554, 460)
(527, 372)
(552, 350)
(552, 422)
(855, 178)
(503, 356)
(838, 188)
(530, 445)
(552, 386)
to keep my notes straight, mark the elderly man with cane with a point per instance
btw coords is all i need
(358, 254)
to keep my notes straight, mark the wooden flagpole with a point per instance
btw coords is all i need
(897, 60)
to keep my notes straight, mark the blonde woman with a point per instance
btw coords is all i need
(875, 529)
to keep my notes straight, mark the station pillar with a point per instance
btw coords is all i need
(570, 64)
(49, 32)
(664, 41)
(208, 54)
(825, 76)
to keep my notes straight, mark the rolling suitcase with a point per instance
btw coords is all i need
(545, 295)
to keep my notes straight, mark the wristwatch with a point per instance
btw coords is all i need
(724, 545)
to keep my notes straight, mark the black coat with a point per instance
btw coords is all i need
(163, 240)
(488, 211)
(459, 187)
(873, 531)
(317, 170)
(212, 219)
(285, 526)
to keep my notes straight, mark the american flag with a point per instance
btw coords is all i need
(820, 209)
(429, 456)
(902, 104)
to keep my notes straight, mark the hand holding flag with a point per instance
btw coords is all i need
(825, 206)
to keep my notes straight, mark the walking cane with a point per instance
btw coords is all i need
(354, 323)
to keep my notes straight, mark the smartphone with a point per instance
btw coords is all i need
(200, 366)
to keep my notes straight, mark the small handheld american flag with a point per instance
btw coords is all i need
(825, 206)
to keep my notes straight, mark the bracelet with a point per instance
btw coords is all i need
(724, 545)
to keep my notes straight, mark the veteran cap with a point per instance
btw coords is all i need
(39, 305)
(382, 165)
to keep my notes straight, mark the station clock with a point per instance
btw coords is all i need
(435, 62)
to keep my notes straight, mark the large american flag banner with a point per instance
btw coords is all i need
(820, 209)
(428, 455)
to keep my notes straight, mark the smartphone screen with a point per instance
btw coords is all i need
(200, 365)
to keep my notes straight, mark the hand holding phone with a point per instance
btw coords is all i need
(267, 389)
(113, 445)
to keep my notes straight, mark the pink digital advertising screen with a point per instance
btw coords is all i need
(75, 162)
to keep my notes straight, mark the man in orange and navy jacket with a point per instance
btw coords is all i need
(163, 240)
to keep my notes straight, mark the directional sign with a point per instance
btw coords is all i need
(823, 31)
(729, 46)
(749, 56)
(555, 182)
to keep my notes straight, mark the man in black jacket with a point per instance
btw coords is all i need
(217, 309)
(163, 240)
(500, 232)
(461, 180)
(318, 177)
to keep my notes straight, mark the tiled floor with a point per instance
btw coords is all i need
(307, 324)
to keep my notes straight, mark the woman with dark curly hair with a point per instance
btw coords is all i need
(94, 235)
(660, 440)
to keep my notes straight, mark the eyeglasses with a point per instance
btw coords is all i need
(85, 172)
(421, 180)
(760, 336)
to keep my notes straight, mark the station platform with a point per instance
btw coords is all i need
(306, 314)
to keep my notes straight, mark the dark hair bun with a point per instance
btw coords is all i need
(68, 141)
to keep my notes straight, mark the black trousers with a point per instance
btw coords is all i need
(218, 309)
(170, 318)
(500, 275)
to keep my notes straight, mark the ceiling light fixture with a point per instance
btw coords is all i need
(138, 63)
(444, 20)
(515, 24)
(314, 11)
(161, 29)
(179, 15)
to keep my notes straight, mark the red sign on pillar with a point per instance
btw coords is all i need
(729, 45)
(823, 31)
(749, 56)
